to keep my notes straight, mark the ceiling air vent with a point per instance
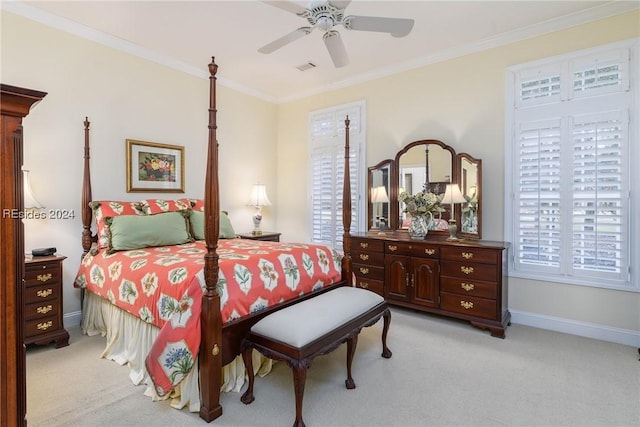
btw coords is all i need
(306, 66)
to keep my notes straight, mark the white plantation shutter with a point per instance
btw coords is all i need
(327, 137)
(538, 194)
(569, 210)
(599, 188)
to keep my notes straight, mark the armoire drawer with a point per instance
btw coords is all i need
(465, 254)
(368, 272)
(470, 270)
(471, 306)
(467, 287)
(421, 249)
(376, 286)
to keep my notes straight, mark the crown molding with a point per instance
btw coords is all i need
(88, 33)
(599, 12)
(550, 26)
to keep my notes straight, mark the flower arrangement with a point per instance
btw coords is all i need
(421, 203)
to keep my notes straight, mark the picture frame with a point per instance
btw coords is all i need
(154, 167)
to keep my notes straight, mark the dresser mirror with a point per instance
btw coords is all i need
(469, 180)
(426, 164)
(379, 186)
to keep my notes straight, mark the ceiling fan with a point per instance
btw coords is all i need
(326, 15)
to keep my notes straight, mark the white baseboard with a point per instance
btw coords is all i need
(72, 319)
(574, 327)
(558, 324)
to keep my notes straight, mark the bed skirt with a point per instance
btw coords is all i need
(129, 340)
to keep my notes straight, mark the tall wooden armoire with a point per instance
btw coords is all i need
(15, 103)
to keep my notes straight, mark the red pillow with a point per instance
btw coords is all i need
(108, 208)
(156, 206)
(197, 204)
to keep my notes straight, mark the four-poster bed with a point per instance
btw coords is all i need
(220, 337)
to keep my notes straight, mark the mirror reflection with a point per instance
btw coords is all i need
(425, 166)
(470, 176)
(430, 165)
(379, 192)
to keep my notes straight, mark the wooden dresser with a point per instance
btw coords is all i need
(463, 279)
(43, 301)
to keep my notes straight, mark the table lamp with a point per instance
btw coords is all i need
(258, 199)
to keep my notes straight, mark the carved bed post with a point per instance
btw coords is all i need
(346, 210)
(210, 355)
(86, 194)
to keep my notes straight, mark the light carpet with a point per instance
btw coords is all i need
(443, 373)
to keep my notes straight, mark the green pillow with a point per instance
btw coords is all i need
(136, 232)
(197, 226)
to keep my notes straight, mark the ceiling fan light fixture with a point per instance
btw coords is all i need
(325, 23)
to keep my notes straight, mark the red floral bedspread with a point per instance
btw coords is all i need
(164, 285)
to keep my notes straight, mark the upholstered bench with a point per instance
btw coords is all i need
(314, 327)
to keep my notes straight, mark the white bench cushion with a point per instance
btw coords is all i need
(308, 320)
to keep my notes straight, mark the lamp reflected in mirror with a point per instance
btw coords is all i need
(452, 196)
(379, 196)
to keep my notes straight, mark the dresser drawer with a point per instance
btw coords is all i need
(40, 274)
(471, 306)
(368, 272)
(41, 309)
(41, 326)
(376, 286)
(425, 250)
(469, 270)
(34, 294)
(467, 287)
(368, 257)
(464, 254)
(367, 245)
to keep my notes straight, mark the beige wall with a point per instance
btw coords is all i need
(461, 102)
(125, 97)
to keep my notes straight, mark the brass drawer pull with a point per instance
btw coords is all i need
(364, 245)
(466, 304)
(44, 277)
(467, 286)
(44, 325)
(393, 248)
(44, 309)
(364, 270)
(364, 257)
(363, 285)
(467, 255)
(466, 270)
(429, 251)
(43, 293)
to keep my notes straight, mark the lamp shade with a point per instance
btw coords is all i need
(259, 196)
(30, 202)
(453, 195)
(379, 194)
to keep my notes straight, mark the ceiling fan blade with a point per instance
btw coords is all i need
(397, 27)
(288, 6)
(335, 46)
(339, 4)
(285, 40)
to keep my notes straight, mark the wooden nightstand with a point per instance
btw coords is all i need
(43, 301)
(268, 236)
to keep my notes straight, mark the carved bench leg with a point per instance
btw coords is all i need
(299, 368)
(248, 396)
(386, 353)
(351, 350)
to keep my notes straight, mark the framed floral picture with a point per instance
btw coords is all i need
(154, 167)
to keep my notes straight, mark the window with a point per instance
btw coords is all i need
(326, 148)
(572, 138)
